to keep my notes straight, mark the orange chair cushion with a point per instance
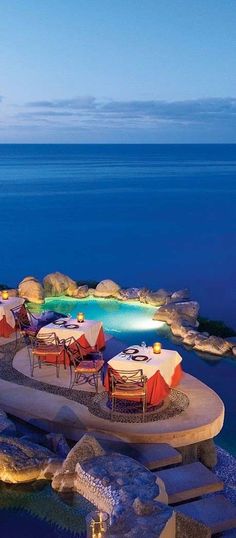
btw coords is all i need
(50, 350)
(86, 367)
(128, 393)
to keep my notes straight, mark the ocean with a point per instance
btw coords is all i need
(142, 215)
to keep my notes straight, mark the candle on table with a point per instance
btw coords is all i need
(156, 347)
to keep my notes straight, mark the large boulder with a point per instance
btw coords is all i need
(106, 288)
(129, 294)
(189, 338)
(214, 344)
(184, 311)
(158, 298)
(23, 461)
(56, 284)
(31, 289)
(179, 330)
(86, 448)
(180, 295)
(81, 292)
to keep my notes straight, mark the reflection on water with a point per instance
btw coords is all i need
(35, 506)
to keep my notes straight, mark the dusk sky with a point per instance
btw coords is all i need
(107, 71)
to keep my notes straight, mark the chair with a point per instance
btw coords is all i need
(128, 385)
(81, 367)
(25, 322)
(47, 349)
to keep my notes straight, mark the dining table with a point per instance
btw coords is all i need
(89, 333)
(7, 320)
(163, 370)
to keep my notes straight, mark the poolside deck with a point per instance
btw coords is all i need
(46, 402)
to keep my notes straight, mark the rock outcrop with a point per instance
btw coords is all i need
(81, 292)
(118, 485)
(22, 461)
(87, 448)
(189, 337)
(56, 284)
(178, 312)
(129, 294)
(180, 295)
(106, 288)
(157, 298)
(31, 289)
(212, 344)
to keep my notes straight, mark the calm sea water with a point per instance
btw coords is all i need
(154, 215)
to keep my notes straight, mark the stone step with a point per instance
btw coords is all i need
(157, 455)
(215, 511)
(151, 455)
(186, 482)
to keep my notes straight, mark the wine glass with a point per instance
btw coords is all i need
(143, 344)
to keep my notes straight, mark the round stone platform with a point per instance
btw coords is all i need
(46, 402)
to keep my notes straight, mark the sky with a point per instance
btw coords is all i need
(118, 71)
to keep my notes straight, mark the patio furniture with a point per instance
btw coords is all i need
(127, 385)
(46, 349)
(89, 334)
(7, 320)
(25, 322)
(81, 367)
(163, 370)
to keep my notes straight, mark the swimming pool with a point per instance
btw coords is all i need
(127, 321)
(132, 323)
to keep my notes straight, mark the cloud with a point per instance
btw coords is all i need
(157, 111)
(76, 103)
(90, 119)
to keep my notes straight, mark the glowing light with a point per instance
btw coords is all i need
(5, 295)
(144, 324)
(156, 347)
(80, 317)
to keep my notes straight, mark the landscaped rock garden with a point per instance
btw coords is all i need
(174, 308)
(134, 497)
(112, 482)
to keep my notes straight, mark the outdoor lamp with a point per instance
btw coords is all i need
(97, 524)
(80, 317)
(5, 295)
(156, 347)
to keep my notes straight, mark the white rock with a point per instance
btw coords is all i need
(31, 289)
(56, 284)
(106, 288)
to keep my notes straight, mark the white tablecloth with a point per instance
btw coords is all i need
(5, 309)
(89, 328)
(165, 362)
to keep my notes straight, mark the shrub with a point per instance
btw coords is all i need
(215, 327)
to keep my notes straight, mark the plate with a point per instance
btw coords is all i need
(59, 322)
(71, 326)
(130, 351)
(140, 358)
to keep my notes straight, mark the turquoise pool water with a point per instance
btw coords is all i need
(125, 321)
(132, 323)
